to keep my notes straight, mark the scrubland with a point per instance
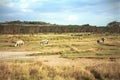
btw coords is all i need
(27, 70)
(71, 46)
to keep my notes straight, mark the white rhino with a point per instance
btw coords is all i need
(44, 42)
(19, 43)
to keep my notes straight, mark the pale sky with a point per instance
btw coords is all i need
(94, 12)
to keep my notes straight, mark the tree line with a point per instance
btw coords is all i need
(31, 27)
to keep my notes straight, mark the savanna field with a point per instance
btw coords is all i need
(67, 56)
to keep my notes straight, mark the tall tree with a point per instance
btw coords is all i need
(114, 27)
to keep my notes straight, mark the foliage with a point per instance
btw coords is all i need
(31, 27)
(114, 27)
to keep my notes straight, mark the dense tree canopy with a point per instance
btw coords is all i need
(114, 27)
(31, 27)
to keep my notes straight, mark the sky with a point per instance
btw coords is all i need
(74, 12)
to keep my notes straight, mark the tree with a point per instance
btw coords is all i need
(114, 27)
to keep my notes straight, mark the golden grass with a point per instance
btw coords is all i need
(106, 71)
(12, 70)
(65, 44)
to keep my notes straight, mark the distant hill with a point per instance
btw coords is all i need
(26, 22)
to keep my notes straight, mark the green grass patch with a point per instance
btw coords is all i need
(67, 45)
(46, 53)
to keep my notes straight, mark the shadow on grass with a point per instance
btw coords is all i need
(96, 74)
(106, 44)
(40, 54)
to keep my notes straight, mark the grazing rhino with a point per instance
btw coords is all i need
(44, 42)
(103, 39)
(19, 43)
(98, 41)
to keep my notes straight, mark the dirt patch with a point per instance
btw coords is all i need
(56, 60)
(53, 60)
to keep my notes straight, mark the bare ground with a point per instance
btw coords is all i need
(54, 60)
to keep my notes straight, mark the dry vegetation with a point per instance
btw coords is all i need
(72, 46)
(22, 70)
